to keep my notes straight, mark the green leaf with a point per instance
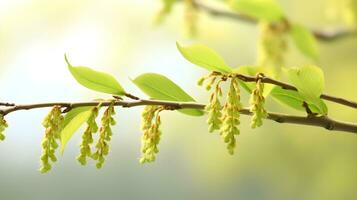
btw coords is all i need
(288, 97)
(95, 80)
(159, 87)
(318, 106)
(204, 57)
(309, 81)
(305, 41)
(71, 123)
(294, 100)
(267, 10)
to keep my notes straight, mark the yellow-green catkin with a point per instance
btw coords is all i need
(191, 17)
(3, 126)
(105, 134)
(272, 46)
(230, 118)
(151, 133)
(257, 102)
(52, 123)
(165, 10)
(213, 108)
(87, 137)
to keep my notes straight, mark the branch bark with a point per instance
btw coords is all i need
(286, 86)
(322, 35)
(318, 121)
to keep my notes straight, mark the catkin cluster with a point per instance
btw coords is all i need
(52, 123)
(151, 133)
(105, 134)
(87, 137)
(230, 118)
(272, 46)
(226, 118)
(3, 126)
(257, 102)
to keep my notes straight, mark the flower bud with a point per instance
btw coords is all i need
(201, 81)
(210, 83)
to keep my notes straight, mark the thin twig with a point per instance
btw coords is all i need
(6, 104)
(286, 86)
(319, 121)
(322, 35)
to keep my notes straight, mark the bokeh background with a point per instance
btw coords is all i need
(277, 161)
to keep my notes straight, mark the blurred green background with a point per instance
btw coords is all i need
(277, 161)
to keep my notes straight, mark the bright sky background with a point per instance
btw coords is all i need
(118, 36)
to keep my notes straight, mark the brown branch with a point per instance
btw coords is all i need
(6, 104)
(334, 35)
(322, 35)
(286, 86)
(319, 121)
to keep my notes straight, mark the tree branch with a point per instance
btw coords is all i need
(322, 35)
(286, 86)
(319, 121)
(6, 104)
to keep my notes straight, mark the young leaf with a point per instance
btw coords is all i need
(71, 123)
(309, 81)
(267, 10)
(318, 106)
(288, 97)
(294, 100)
(304, 40)
(95, 80)
(204, 57)
(159, 87)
